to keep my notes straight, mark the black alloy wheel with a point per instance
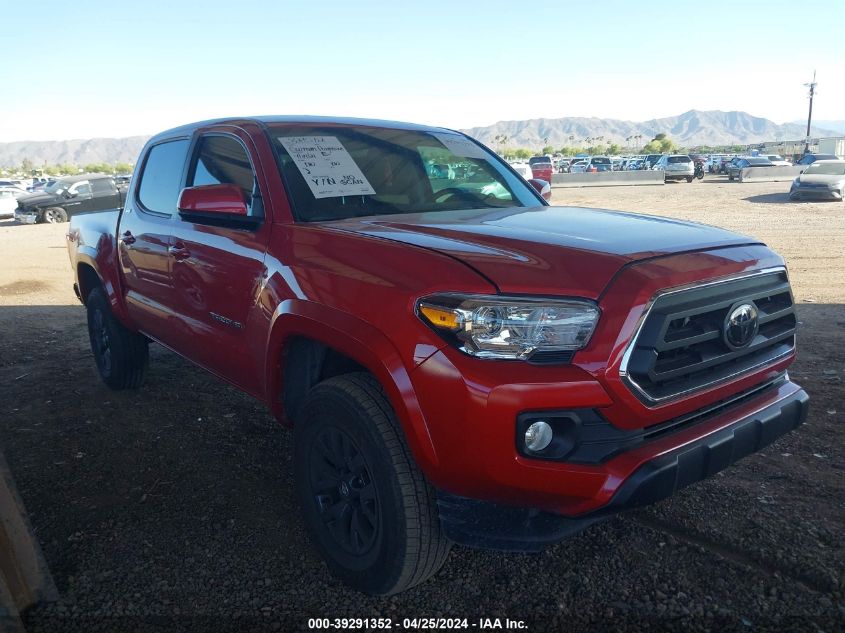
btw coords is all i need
(100, 344)
(367, 508)
(343, 490)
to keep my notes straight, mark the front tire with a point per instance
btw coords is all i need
(121, 355)
(367, 507)
(54, 215)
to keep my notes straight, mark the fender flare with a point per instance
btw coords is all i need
(90, 256)
(361, 342)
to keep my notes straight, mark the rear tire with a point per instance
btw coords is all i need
(54, 215)
(121, 355)
(367, 507)
(689, 178)
(731, 178)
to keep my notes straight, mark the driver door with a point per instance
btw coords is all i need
(79, 198)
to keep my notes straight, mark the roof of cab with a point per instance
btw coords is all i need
(190, 128)
(84, 177)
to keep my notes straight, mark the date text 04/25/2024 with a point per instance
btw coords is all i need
(417, 623)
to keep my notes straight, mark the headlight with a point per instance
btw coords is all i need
(510, 327)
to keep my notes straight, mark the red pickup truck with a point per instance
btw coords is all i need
(460, 362)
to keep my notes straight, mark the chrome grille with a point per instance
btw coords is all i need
(680, 346)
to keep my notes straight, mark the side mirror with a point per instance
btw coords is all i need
(213, 201)
(542, 187)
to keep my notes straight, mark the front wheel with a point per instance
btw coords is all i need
(367, 507)
(54, 215)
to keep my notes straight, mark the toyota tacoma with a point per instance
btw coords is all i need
(460, 362)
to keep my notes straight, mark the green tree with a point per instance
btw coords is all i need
(614, 149)
(652, 147)
(548, 149)
(26, 166)
(98, 168)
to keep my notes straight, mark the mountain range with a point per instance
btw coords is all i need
(696, 127)
(73, 152)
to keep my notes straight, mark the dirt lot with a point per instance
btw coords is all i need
(171, 508)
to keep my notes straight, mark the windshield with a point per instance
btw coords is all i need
(539, 159)
(57, 186)
(679, 159)
(340, 172)
(826, 169)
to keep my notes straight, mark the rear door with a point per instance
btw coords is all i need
(104, 194)
(144, 238)
(218, 266)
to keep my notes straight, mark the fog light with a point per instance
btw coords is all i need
(538, 436)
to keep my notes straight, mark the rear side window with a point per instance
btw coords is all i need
(223, 160)
(161, 179)
(102, 185)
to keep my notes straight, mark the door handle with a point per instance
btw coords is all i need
(179, 252)
(127, 238)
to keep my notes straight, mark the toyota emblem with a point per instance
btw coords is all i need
(741, 325)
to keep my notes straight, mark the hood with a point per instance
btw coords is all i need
(36, 199)
(821, 179)
(545, 250)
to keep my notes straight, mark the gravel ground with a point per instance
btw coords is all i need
(171, 508)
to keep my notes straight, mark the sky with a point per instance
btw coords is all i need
(88, 69)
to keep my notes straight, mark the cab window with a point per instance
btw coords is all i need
(102, 186)
(161, 178)
(81, 188)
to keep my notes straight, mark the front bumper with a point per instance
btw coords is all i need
(816, 193)
(482, 524)
(26, 217)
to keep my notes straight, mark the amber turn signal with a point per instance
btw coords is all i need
(438, 317)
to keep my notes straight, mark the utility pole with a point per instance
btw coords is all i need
(812, 87)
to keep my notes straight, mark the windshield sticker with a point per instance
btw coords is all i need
(460, 145)
(326, 166)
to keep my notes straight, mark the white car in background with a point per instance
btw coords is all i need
(8, 202)
(523, 169)
(676, 167)
(778, 160)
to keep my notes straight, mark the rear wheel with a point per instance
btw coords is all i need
(689, 178)
(366, 505)
(54, 215)
(121, 355)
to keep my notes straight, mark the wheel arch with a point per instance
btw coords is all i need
(89, 275)
(303, 328)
